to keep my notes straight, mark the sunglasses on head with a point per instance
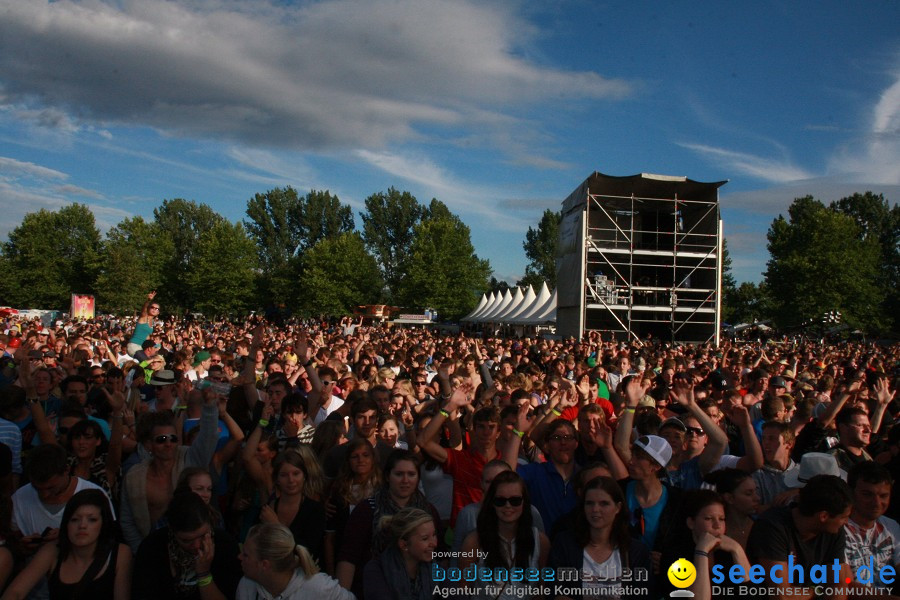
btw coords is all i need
(512, 501)
(162, 439)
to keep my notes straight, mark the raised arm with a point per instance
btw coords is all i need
(622, 440)
(145, 310)
(427, 440)
(204, 447)
(683, 393)
(254, 469)
(883, 395)
(753, 456)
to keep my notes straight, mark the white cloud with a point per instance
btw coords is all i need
(18, 168)
(768, 169)
(74, 190)
(876, 156)
(332, 74)
(467, 198)
(28, 187)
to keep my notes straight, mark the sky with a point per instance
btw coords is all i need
(500, 109)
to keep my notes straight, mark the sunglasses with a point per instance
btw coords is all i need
(162, 439)
(694, 431)
(326, 382)
(512, 501)
(421, 383)
(562, 438)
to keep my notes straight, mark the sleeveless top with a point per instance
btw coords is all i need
(100, 587)
(141, 332)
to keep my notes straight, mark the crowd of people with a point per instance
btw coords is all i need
(167, 458)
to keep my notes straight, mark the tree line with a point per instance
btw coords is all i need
(843, 257)
(304, 253)
(301, 253)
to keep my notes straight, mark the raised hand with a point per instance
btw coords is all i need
(634, 391)
(883, 392)
(601, 434)
(682, 391)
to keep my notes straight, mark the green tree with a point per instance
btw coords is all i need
(540, 248)
(879, 221)
(748, 303)
(135, 255)
(270, 225)
(444, 271)
(338, 275)
(495, 285)
(185, 222)
(319, 216)
(819, 262)
(222, 271)
(388, 223)
(51, 255)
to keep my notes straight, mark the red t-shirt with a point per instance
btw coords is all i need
(571, 413)
(465, 466)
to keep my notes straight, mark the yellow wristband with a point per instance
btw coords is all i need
(205, 581)
(445, 413)
(629, 410)
(263, 423)
(556, 412)
(519, 433)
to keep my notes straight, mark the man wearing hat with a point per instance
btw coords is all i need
(199, 366)
(164, 383)
(651, 504)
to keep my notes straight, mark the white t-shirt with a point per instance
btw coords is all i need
(323, 413)
(32, 517)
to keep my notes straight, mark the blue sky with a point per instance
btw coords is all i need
(500, 109)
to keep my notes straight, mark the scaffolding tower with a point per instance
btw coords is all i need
(640, 256)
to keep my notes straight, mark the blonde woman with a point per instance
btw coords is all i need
(403, 570)
(275, 567)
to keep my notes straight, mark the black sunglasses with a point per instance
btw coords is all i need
(162, 439)
(512, 501)
(694, 431)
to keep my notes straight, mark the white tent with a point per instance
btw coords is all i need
(526, 303)
(499, 307)
(542, 298)
(481, 304)
(515, 303)
(544, 314)
(516, 307)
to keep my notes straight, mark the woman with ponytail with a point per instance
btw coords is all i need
(275, 567)
(403, 570)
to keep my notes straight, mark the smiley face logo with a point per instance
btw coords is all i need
(682, 573)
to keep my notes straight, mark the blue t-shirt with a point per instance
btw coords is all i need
(645, 521)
